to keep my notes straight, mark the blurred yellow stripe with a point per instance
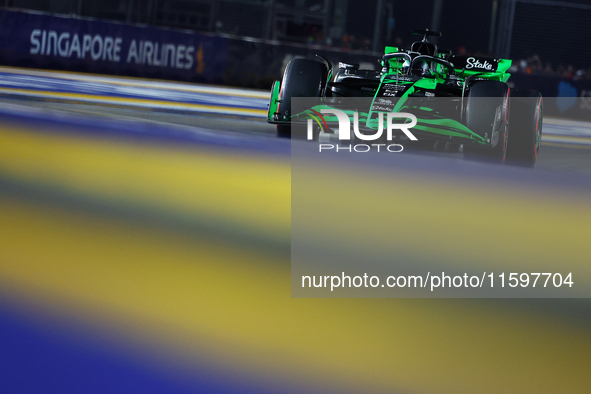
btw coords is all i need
(241, 190)
(445, 220)
(198, 299)
(567, 145)
(567, 139)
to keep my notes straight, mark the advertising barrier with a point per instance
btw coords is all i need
(73, 44)
(45, 41)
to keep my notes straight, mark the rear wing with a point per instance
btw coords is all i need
(488, 67)
(465, 66)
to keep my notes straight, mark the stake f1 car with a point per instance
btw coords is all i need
(459, 99)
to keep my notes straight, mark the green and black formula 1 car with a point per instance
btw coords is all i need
(462, 100)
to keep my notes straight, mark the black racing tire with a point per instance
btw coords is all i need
(302, 78)
(487, 113)
(525, 125)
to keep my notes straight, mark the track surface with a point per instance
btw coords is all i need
(145, 248)
(566, 145)
(557, 153)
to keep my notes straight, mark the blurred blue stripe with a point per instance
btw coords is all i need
(43, 356)
(60, 85)
(59, 122)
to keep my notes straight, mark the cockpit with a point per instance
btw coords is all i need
(422, 60)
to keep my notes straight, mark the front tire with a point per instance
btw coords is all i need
(302, 78)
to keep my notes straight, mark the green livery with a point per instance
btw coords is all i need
(463, 100)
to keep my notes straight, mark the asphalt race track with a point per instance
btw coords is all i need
(565, 143)
(145, 247)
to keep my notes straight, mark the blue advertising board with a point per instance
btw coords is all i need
(66, 43)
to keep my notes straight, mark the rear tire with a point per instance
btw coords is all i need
(527, 113)
(487, 114)
(302, 78)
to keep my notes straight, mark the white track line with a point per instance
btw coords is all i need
(137, 82)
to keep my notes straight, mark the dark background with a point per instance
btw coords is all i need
(557, 31)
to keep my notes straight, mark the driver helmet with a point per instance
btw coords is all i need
(405, 66)
(421, 68)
